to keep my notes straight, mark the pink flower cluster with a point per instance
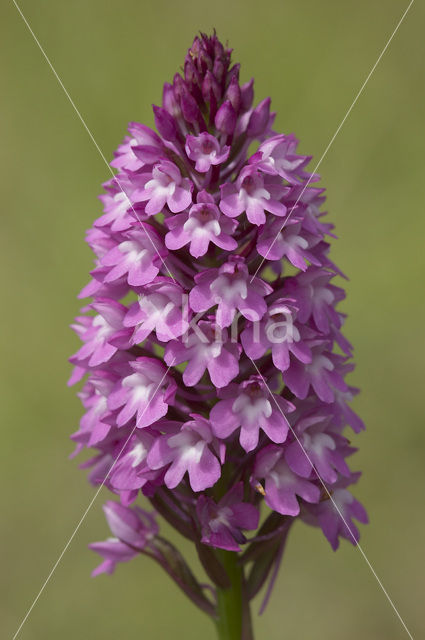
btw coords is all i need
(212, 346)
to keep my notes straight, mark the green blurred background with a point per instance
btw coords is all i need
(113, 57)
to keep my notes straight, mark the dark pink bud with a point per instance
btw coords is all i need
(259, 118)
(179, 87)
(190, 73)
(193, 80)
(247, 94)
(147, 154)
(219, 70)
(169, 101)
(233, 94)
(209, 85)
(233, 73)
(190, 110)
(225, 120)
(165, 124)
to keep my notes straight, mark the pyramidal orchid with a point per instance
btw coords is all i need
(214, 364)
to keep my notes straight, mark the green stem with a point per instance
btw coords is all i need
(234, 616)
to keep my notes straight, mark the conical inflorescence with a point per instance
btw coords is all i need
(213, 357)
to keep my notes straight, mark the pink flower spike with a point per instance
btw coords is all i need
(212, 359)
